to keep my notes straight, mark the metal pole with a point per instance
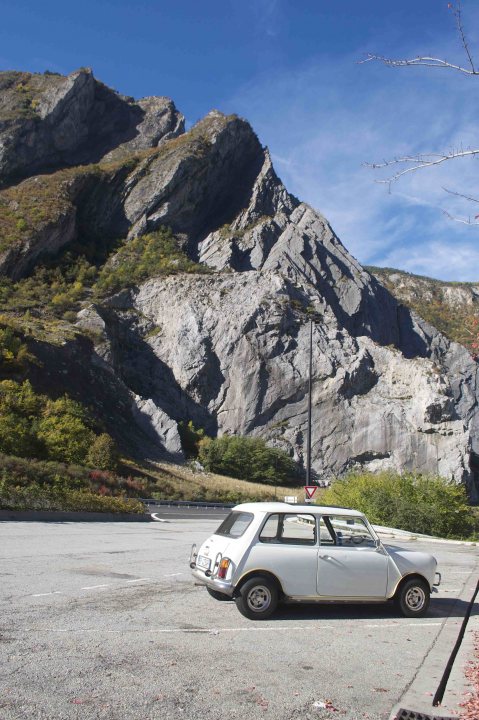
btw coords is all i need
(308, 441)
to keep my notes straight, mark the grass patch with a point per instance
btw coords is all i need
(183, 482)
(156, 253)
(35, 497)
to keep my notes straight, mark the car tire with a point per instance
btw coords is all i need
(413, 598)
(217, 595)
(257, 598)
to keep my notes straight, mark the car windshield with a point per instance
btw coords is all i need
(235, 524)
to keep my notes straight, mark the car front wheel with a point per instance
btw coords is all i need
(413, 598)
(258, 598)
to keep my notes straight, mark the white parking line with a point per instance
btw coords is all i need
(173, 574)
(55, 592)
(139, 580)
(93, 587)
(255, 629)
(399, 625)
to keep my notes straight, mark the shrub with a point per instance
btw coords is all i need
(24, 473)
(247, 458)
(418, 503)
(157, 253)
(36, 497)
(103, 453)
(190, 438)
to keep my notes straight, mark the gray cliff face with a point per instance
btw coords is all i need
(230, 349)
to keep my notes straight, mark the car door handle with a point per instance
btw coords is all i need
(326, 557)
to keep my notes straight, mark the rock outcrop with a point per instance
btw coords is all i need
(50, 121)
(229, 349)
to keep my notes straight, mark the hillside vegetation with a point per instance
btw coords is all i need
(410, 501)
(452, 307)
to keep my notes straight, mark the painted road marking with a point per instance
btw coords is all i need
(173, 574)
(218, 631)
(93, 587)
(55, 592)
(139, 580)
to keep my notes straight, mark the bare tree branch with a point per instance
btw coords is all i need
(429, 61)
(426, 160)
(418, 162)
(457, 14)
(461, 195)
(425, 60)
(463, 221)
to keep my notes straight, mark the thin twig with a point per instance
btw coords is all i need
(458, 194)
(460, 29)
(460, 220)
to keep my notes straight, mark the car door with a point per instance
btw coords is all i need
(287, 547)
(349, 563)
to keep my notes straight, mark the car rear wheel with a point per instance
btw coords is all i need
(413, 598)
(258, 598)
(217, 595)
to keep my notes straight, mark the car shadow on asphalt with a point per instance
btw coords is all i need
(440, 608)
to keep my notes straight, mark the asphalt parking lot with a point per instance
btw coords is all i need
(102, 620)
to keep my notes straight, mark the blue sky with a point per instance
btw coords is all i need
(291, 69)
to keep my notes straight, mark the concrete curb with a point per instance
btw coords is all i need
(418, 697)
(60, 516)
(458, 685)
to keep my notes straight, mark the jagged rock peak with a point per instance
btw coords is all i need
(48, 121)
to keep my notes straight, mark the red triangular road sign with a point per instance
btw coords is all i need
(310, 490)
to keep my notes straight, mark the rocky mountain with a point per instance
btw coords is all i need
(452, 307)
(211, 322)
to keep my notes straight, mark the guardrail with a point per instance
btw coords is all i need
(186, 503)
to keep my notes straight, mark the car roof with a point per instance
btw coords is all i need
(266, 507)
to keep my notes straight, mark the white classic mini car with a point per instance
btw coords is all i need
(266, 553)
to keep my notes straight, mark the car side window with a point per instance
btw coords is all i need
(290, 528)
(299, 529)
(345, 531)
(269, 533)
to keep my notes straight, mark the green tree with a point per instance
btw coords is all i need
(65, 437)
(103, 453)
(247, 458)
(17, 436)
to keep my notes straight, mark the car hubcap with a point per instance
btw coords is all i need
(259, 598)
(415, 598)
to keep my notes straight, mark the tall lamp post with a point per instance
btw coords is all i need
(310, 384)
